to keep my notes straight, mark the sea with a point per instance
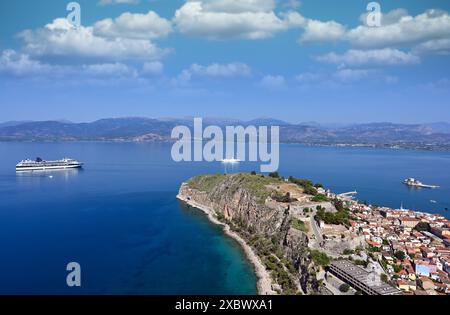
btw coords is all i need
(119, 218)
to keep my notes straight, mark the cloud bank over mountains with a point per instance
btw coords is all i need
(131, 44)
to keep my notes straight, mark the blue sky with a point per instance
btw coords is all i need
(308, 60)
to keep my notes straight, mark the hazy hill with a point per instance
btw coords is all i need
(434, 136)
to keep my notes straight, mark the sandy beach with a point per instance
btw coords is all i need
(264, 284)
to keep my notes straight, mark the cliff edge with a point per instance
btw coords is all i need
(260, 212)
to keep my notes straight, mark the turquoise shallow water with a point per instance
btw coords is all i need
(118, 217)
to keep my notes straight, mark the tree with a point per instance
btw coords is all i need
(307, 185)
(274, 175)
(320, 258)
(397, 268)
(400, 255)
(344, 288)
(348, 251)
(422, 226)
(384, 278)
(253, 173)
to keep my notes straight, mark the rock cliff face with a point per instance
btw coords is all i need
(229, 198)
(243, 202)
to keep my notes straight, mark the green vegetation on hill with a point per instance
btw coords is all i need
(337, 218)
(320, 258)
(341, 217)
(299, 225)
(319, 198)
(305, 184)
(283, 198)
(272, 256)
(206, 182)
(254, 184)
(274, 175)
(348, 252)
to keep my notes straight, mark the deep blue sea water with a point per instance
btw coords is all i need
(118, 217)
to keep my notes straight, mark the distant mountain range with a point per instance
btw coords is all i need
(434, 136)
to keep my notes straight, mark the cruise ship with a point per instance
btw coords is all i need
(412, 182)
(41, 165)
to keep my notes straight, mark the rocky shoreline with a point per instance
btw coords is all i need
(264, 284)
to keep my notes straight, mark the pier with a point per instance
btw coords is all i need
(348, 195)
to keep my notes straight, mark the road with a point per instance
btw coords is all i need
(316, 230)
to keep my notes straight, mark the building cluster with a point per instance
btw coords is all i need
(412, 247)
(360, 279)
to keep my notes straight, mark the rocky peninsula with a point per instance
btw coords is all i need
(262, 214)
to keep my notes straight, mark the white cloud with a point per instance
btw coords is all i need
(436, 46)
(226, 19)
(235, 69)
(273, 82)
(133, 25)
(152, 68)
(390, 17)
(18, 64)
(342, 77)
(59, 38)
(376, 57)
(441, 85)
(309, 77)
(109, 69)
(402, 39)
(294, 4)
(428, 32)
(233, 6)
(347, 75)
(22, 65)
(402, 30)
(318, 31)
(108, 2)
(221, 70)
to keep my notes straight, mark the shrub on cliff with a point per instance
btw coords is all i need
(274, 175)
(283, 198)
(299, 225)
(319, 198)
(320, 258)
(307, 185)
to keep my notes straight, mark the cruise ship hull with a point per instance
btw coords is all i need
(46, 168)
(422, 186)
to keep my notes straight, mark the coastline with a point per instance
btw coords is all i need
(306, 144)
(264, 283)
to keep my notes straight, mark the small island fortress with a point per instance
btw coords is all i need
(41, 165)
(304, 239)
